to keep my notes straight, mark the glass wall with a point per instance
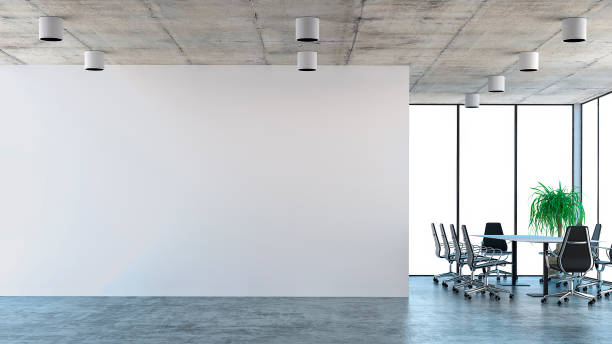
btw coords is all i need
(486, 171)
(433, 152)
(605, 174)
(589, 162)
(544, 154)
(487, 167)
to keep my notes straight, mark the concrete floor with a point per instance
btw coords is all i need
(432, 315)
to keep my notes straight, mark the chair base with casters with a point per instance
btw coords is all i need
(449, 274)
(484, 287)
(499, 274)
(598, 281)
(564, 296)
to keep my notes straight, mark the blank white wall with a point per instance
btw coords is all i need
(204, 180)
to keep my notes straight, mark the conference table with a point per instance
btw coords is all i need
(539, 239)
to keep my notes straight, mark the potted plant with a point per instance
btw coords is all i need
(553, 210)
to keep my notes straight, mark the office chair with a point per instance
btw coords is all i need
(495, 228)
(599, 267)
(574, 260)
(486, 259)
(603, 264)
(459, 258)
(441, 253)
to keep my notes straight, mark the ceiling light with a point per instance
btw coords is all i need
(574, 29)
(472, 100)
(50, 28)
(307, 61)
(307, 29)
(497, 83)
(529, 61)
(94, 60)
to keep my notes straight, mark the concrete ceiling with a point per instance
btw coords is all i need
(451, 45)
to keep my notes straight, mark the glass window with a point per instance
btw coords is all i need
(433, 142)
(544, 155)
(605, 171)
(487, 168)
(589, 162)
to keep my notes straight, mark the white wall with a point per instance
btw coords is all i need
(204, 180)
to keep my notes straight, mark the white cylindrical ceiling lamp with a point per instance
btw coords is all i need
(94, 60)
(50, 28)
(497, 83)
(307, 61)
(529, 61)
(472, 100)
(307, 29)
(574, 29)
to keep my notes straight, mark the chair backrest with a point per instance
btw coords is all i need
(575, 254)
(494, 228)
(455, 242)
(595, 237)
(436, 241)
(469, 251)
(447, 250)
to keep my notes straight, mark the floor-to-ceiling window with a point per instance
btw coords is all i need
(433, 142)
(605, 174)
(487, 167)
(589, 162)
(544, 155)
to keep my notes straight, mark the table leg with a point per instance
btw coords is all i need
(514, 267)
(544, 274)
(545, 270)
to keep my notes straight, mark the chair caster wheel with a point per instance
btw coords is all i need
(491, 294)
(511, 296)
(592, 302)
(456, 291)
(435, 280)
(505, 277)
(498, 278)
(565, 299)
(469, 297)
(585, 289)
(444, 284)
(557, 285)
(565, 283)
(541, 280)
(543, 300)
(497, 298)
(607, 295)
(470, 286)
(599, 296)
(559, 303)
(482, 292)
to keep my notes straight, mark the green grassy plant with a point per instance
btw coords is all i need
(553, 210)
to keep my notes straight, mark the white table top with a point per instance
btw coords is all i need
(526, 238)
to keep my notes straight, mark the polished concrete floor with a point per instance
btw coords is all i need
(432, 314)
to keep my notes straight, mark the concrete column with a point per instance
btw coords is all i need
(577, 147)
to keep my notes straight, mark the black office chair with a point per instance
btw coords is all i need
(441, 252)
(599, 267)
(574, 261)
(495, 228)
